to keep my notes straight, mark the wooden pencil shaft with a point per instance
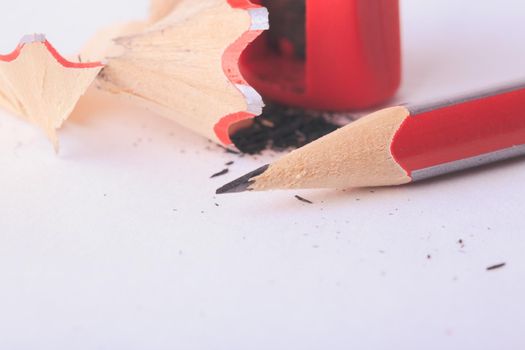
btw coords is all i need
(357, 155)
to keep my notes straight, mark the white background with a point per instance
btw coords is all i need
(117, 242)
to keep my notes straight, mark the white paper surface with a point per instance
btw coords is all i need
(117, 243)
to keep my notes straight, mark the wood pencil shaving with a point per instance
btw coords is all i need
(38, 84)
(185, 65)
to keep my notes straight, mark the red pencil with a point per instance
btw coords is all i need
(402, 144)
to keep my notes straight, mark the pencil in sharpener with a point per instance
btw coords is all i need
(335, 55)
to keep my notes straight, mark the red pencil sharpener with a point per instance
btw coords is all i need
(335, 55)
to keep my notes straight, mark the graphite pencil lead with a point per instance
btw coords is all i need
(242, 184)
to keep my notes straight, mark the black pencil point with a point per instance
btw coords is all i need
(242, 184)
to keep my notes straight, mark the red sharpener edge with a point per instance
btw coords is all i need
(353, 58)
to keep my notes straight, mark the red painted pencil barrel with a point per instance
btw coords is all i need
(463, 132)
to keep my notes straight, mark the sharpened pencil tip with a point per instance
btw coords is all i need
(242, 184)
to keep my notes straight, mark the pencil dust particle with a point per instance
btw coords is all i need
(220, 173)
(304, 200)
(496, 267)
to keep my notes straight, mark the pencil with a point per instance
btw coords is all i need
(400, 145)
